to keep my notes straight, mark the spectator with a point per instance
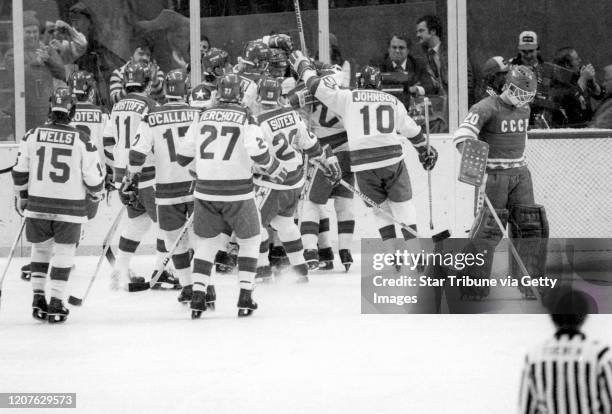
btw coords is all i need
(97, 58)
(573, 89)
(204, 45)
(69, 43)
(142, 53)
(42, 65)
(399, 67)
(603, 116)
(429, 34)
(494, 76)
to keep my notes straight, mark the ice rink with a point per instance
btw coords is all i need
(307, 349)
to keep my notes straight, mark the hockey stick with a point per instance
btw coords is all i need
(431, 224)
(298, 17)
(106, 253)
(515, 253)
(141, 286)
(11, 253)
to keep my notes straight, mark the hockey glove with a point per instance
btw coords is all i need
(128, 192)
(276, 171)
(280, 41)
(21, 202)
(300, 63)
(330, 165)
(428, 159)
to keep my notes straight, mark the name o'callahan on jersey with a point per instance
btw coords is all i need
(224, 115)
(170, 117)
(372, 96)
(55, 136)
(94, 117)
(281, 122)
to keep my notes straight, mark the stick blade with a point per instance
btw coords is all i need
(74, 301)
(138, 286)
(443, 235)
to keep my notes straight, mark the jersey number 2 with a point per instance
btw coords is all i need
(62, 167)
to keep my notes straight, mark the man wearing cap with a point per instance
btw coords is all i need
(494, 75)
(603, 116)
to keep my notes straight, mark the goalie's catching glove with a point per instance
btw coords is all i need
(428, 159)
(128, 192)
(280, 41)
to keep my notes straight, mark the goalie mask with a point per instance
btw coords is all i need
(137, 74)
(176, 84)
(521, 85)
(256, 57)
(269, 91)
(81, 84)
(228, 89)
(369, 78)
(202, 96)
(213, 61)
(62, 101)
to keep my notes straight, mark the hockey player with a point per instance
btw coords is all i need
(161, 133)
(287, 135)
(329, 128)
(226, 143)
(215, 63)
(502, 121)
(57, 170)
(136, 192)
(375, 123)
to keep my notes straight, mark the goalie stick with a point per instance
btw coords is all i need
(106, 253)
(298, 17)
(11, 253)
(141, 286)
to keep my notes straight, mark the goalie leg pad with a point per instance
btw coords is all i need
(485, 228)
(529, 231)
(528, 221)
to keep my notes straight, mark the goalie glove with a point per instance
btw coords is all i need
(300, 63)
(128, 192)
(280, 41)
(428, 159)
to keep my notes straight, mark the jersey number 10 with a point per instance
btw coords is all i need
(380, 127)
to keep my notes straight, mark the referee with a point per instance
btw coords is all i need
(568, 374)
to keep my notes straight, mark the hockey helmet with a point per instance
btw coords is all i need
(137, 74)
(202, 96)
(256, 56)
(62, 101)
(176, 84)
(269, 90)
(521, 85)
(81, 83)
(369, 78)
(228, 88)
(213, 62)
(279, 62)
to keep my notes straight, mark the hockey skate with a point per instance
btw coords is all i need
(527, 292)
(301, 271)
(198, 304)
(346, 258)
(26, 272)
(326, 259)
(263, 274)
(166, 281)
(186, 294)
(211, 297)
(278, 259)
(246, 304)
(57, 312)
(39, 307)
(224, 262)
(312, 259)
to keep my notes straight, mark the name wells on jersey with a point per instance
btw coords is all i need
(224, 116)
(281, 122)
(55, 137)
(170, 117)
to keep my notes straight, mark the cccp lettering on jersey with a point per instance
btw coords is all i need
(93, 117)
(281, 122)
(55, 137)
(372, 96)
(170, 117)
(514, 125)
(223, 116)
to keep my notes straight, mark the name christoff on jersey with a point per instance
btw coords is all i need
(372, 96)
(55, 137)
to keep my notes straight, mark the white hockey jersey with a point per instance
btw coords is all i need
(375, 122)
(120, 135)
(225, 143)
(57, 164)
(286, 134)
(92, 120)
(162, 132)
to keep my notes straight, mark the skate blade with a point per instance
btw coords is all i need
(56, 318)
(347, 266)
(312, 265)
(210, 306)
(39, 314)
(196, 314)
(25, 277)
(74, 301)
(326, 266)
(244, 312)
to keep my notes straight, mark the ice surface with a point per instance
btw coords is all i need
(307, 349)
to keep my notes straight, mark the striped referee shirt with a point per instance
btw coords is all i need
(569, 374)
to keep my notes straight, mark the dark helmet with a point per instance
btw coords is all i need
(214, 61)
(62, 101)
(137, 74)
(201, 96)
(269, 90)
(369, 78)
(521, 85)
(81, 83)
(228, 88)
(176, 84)
(279, 62)
(256, 56)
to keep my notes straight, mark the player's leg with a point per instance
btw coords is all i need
(66, 236)
(38, 232)
(137, 224)
(171, 219)
(325, 252)
(313, 211)
(343, 204)
(243, 217)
